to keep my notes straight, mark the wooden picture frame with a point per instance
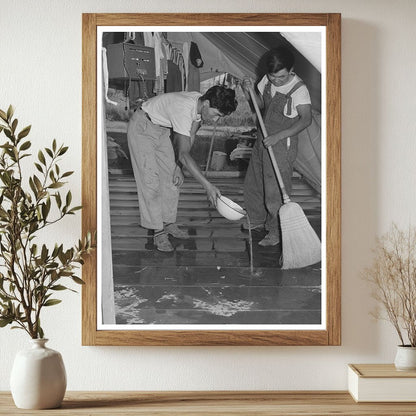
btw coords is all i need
(331, 334)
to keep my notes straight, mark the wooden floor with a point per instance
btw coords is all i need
(207, 279)
(212, 403)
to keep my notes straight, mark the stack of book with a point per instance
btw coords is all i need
(381, 383)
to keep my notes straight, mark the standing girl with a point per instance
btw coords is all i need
(286, 105)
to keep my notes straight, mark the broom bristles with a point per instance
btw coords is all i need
(301, 246)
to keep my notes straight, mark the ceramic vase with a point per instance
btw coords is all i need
(38, 377)
(405, 358)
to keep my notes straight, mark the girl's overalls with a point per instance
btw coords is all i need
(262, 195)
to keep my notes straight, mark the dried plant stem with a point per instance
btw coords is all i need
(393, 276)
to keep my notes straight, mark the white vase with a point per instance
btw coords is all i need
(405, 358)
(38, 377)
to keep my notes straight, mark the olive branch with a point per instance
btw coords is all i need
(30, 274)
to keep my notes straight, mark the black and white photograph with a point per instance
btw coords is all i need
(211, 177)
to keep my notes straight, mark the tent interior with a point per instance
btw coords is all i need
(210, 265)
(227, 57)
(243, 54)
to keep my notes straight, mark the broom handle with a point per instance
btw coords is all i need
(210, 149)
(286, 198)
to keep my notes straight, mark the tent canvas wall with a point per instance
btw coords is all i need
(243, 54)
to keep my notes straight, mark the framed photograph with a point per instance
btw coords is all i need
(211, 172)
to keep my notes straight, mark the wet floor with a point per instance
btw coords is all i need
(207, 279)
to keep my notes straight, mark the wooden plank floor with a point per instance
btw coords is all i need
(212, 403)
(207, 279)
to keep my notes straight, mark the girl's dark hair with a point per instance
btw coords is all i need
(278, 59)
(221, 98)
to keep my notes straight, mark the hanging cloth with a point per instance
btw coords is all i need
(174, 78)
(159, 55)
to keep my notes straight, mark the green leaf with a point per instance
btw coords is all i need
(41, 157)
(39, 167)
(68, 199)
(54, 276)
(25, 145)
(45, 211)
(58, 199)
(49, 152)
(59, 287)
(24, 132)
(56, 185)
(37, 182)
(10, 112)
(3, 115)
(5, 145)
(67, 174)
(8, 133)
(60, 249)
(25, 155)
(72, 210)
(40, 332)
(62, 257)
(51, 302)
(5, 321)
(33, 187)
(63, 150)
(78, 280)
(55, 251)
(54, 145)
(42, 194)
(5, 298)
(14, 125)
(34, 226)
(44, 253)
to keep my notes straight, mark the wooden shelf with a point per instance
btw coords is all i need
(178, 403)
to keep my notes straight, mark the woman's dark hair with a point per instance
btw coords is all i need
(221, 98)
(278, 59)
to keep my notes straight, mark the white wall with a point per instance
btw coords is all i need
(40, 74)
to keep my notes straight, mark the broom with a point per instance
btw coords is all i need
(210, 149)
(301, 246)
